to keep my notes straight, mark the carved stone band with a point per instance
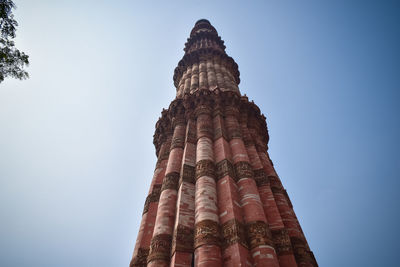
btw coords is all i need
(204, 129)
(231, 111)
(203, 109)
(301, 252)
(183, 239)
(188, 174)
(178, 120)
(233, 232)
(206, 233)
(258, 234)
(260, 177)
(140, 260)
(281, 241)
(205, 168)
(164, 155)
(160, 248)
(275, 184)
(170, 181)
(224, 168)
(243, 170)
(178, 142)
(154, 196)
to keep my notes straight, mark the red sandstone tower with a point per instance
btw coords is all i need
(215, 198)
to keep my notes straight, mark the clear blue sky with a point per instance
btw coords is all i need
(76, 152)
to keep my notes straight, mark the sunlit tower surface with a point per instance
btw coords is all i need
(215, 198)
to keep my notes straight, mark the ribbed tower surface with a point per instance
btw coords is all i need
(215, 198)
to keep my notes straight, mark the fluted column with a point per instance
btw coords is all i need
(234, 244)
(160, 247)
(195, 77)
(145, 234)
(182, 243)
(279, 234)
(211, 78)
(218, 73)
(188, 80)
(203, 82)
(302, 253)
(207, 233)
(259, 236)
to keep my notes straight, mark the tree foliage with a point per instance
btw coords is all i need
(12, 61)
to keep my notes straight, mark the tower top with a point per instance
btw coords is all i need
(203, 25)
(204, 44)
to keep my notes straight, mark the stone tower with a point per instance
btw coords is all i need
(215, 198)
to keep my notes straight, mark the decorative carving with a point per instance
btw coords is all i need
(233, 232)
(178, 120)
(231, 110)
(225, 167)
(165, 154)
(205, 168)
(171, 181)
(276, 185)
(260, 177)
(258, 234)
(160, 248)
(276, 190)
(154, 196)
(206, 233)
(178, 142)
(188, 174)
(281, 241)
(301, 252)
(140, 260)
(243, 170)
(200, 102)
(202, 109)
(183, 239)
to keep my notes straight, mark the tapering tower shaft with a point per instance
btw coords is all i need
(215, 199)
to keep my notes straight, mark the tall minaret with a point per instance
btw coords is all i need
(215, 198)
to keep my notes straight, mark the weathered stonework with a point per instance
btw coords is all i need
(260, 177)
(258, 234)
(225, 167)
(170, 181)
(160, 248)
(154, 196)
(205, 168)
(183, 239)
(281, 241)
(215, 198)
(233, 232)
(243, 170)
(188, 174)
(141, 258)
(206, 232)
